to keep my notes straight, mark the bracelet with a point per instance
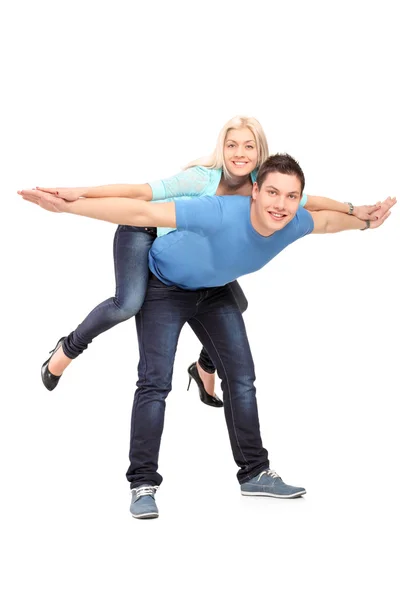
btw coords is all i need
(367, 226)
(351, 208)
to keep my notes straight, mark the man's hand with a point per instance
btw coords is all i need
(45, 200)
(367, 212)
(382, 212)
(69, 194)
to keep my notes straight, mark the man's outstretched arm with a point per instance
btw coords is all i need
(326, 221)
(365, 212)
(121, 211)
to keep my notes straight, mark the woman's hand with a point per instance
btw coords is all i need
(49, 202)
(69, 194)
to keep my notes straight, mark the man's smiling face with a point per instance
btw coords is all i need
(276, 203)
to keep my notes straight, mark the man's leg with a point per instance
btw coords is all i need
(220, 327)
(159, 324)
(205, 365)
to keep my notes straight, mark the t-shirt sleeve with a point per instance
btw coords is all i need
(303, 200)
(191, 182)
(201, 215)
(305, 222)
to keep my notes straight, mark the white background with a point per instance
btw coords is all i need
(126, 92)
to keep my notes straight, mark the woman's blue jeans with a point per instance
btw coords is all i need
(131, 248)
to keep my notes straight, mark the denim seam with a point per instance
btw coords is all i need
(139, 316)
(229, 389)
(116, 261)
(142, 346)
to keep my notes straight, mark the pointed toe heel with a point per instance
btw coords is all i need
(204, 396)
(49, 380)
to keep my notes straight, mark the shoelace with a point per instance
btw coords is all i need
(270, 473)
(146, 490)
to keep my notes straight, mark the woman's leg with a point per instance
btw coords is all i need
(205, 365)
(131, 247)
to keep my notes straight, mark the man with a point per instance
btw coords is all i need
(217, 240)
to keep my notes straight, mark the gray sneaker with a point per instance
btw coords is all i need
(143, 505)
(268, 483)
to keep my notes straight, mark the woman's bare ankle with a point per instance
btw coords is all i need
(59, 362)
(208, 380)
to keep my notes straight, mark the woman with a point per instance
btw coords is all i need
(230, 170)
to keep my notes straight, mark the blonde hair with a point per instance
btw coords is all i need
(216, 159)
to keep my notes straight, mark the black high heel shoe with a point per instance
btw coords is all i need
(204, 396)
(50, 381)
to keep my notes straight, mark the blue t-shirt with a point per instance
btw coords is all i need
(215, 242)
(195, 181)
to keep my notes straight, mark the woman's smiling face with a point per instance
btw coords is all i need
(240, 152)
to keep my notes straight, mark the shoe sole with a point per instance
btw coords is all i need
(145, 516)
(296, 495)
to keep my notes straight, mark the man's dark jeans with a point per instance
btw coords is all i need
(205, 361)
(214, 316)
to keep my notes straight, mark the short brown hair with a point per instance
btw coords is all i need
(280, 163)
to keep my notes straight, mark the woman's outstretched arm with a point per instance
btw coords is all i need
(191, 182)
(139, 191)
